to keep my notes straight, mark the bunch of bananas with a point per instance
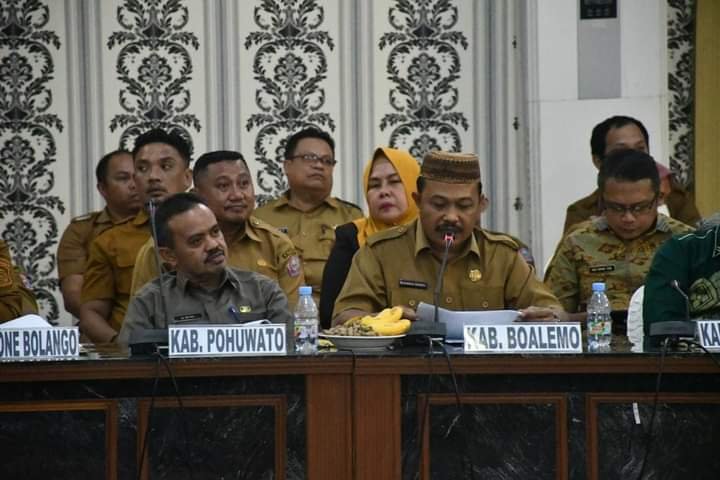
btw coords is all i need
(387, 322)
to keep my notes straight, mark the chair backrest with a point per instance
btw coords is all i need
(635, 320)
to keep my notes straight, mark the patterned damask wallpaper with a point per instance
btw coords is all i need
(152, 62)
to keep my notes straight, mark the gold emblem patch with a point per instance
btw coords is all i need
(474, 275)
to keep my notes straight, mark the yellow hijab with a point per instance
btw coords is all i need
(409, 170)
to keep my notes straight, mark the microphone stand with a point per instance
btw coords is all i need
(449, 239)
(152, 208)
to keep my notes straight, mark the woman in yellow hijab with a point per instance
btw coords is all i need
(390, 179)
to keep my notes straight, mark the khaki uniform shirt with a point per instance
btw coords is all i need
(75, 243)
(396, 267)
(251, 295)
(680, 203)
(260, 248)
(591, 252)
(108, 275)
(312, 233)
(15, 299)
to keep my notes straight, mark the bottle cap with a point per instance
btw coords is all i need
(596, 286)
(305, 290)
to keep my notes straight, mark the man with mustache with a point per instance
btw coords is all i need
(201, 289)
(307, 212)
(222, 179)
(115, 182)
(162, 167)
(399, 266)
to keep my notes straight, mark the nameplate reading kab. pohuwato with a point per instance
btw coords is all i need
(226, 340)
(523, 338)
(50, 343)
(709, 334)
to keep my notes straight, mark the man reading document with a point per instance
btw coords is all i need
(399, 266)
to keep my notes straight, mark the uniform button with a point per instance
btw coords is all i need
(448, 300)
(485, 304)
(411, 303)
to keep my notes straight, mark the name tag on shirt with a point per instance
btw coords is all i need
(50, 343)
(233, 340)
(523, 338)
(709, 333)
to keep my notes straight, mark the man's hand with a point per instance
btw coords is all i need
(542, 314)
(409, 313)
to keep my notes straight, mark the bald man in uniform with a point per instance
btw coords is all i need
(223, 180)
(307, 212)
(162, 167)
(15, 299)
(115, 182)
(485, 271)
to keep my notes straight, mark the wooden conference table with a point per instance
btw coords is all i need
(342, 416)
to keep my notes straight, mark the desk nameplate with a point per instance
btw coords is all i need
(523, 338)
(43, 343)
(226, 340)
(708, 332)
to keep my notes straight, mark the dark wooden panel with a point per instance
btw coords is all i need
(376, 425)
(559, 403)
(329, 426)
(682, 431)
(277, 403)
(108, 407)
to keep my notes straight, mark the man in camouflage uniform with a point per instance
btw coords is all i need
(399, 266)
(224, 181)
(617, 247)
(620, 132)
(115, 182)
(307, 212)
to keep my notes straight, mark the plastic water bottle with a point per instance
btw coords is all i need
(599, 322)
(306, 323)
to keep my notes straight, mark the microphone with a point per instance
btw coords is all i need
(146, 341)
(676, 285)
(675, 329)
(448, 241)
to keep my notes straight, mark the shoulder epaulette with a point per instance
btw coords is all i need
(387, 234)
(263, 225)
(348, 204)
(86, 217)
(499, 237)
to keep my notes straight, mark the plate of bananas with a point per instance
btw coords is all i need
(369, 332)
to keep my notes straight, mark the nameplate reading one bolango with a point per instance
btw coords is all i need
(523, 338)
(709, 334)
(226, 340)
(44, 343)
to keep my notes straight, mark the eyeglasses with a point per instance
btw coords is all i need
(312, 158)
(635, 209)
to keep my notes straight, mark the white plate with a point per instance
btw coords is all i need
(344, 342)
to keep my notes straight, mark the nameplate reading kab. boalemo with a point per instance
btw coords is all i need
(43, 343)
(226, 340)
(523, 338)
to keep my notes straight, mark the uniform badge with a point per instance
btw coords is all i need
(293, 266)
(5, 273)
(261, 262)
(602, 268)
(474, 275)
(244, 309)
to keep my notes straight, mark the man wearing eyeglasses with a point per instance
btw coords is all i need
(616, 133)
(306, 212)
(618, 246)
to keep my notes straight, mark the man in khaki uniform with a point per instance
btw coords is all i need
(115, 182)
(224, 181)
(399, 266)
(201, 289)
(307, 212)
(618, 247)
(162, 162)
(620, 132)
(15, 299)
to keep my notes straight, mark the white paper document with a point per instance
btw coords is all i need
(455, 321)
